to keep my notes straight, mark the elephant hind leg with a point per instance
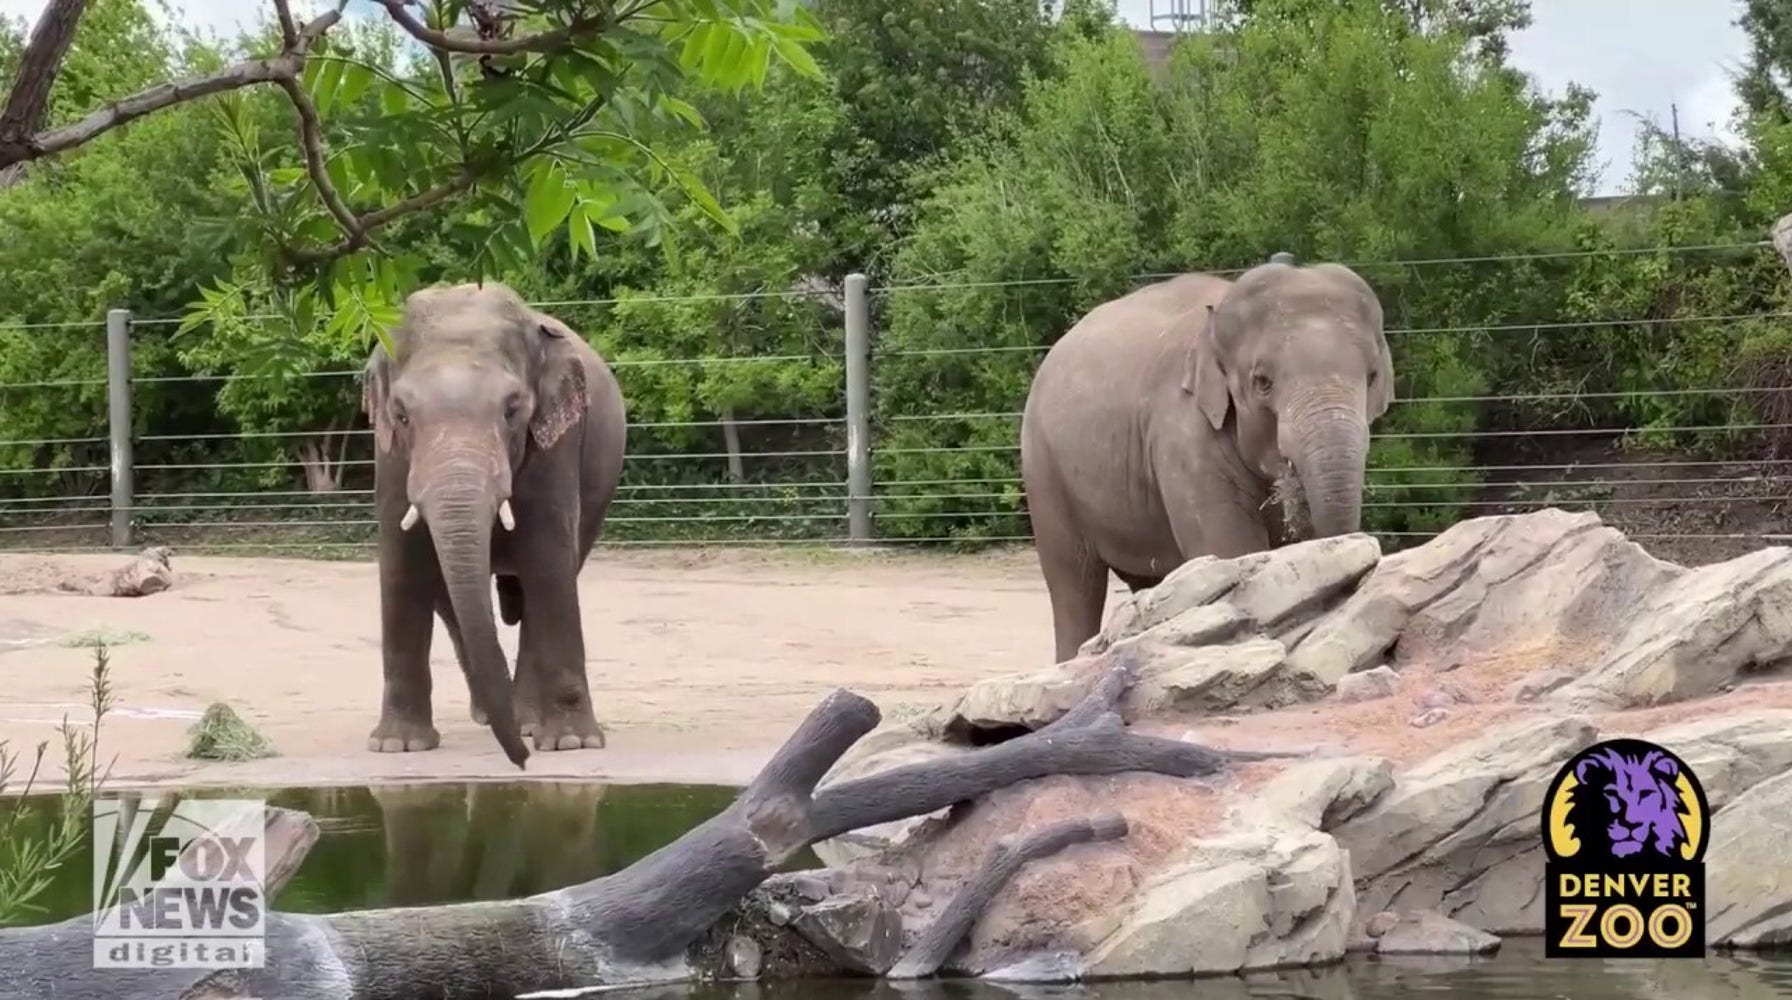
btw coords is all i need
(1076, 580)
(1078, 585)
(445, 611)
(1136, 583)
(510, 599)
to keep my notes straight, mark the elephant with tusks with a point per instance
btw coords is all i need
(498, 436)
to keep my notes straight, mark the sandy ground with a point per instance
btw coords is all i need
(700, 663)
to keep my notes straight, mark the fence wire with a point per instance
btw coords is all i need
(785, 483)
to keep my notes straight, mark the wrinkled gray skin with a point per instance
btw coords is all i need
(491, 410)
(1156, 427)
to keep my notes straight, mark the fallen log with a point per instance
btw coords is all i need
(1002, 861)
(642, 924)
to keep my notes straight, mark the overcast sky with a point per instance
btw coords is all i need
(1640, 56)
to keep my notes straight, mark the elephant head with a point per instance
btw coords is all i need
(1296, 356)
(479, 382)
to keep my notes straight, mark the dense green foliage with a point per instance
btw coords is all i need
(997, 167)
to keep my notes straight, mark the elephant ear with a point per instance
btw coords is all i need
(1381, 394)
(376, 384)
(1202, 376)
(560, 396)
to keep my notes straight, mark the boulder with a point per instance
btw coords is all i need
(1465, 672)
(1428, 932)
(1748, 868)
(1368, 685)
(1205, 678)
(857, 929)
(1263, 898)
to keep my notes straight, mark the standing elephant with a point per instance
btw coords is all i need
(1157, 426)
(501, 431)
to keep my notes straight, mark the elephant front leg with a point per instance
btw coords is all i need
(406, 723)
(551, 679)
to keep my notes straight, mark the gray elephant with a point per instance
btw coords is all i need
(501, 431)
(1157, 426)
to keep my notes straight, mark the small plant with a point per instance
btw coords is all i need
(97, 637)
(28, 865)
(221, 734)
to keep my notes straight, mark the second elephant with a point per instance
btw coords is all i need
(1157, 427)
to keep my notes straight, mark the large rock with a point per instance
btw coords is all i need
(1428, 932)
(1519, 640)
(1264, 898)
(1748, 868)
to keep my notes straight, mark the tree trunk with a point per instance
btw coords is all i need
(731, 443)
(28, 104)
(323, 473)
(699, 906)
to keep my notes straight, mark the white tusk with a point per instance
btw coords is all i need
(410, 519)
(505, 517)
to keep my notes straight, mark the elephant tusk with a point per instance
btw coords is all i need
(505, 517)
(410, 519)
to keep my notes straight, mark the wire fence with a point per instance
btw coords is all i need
(245, 461)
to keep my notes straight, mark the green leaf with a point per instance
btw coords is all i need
(682, 109)
(328, 80)
(304, 313)
(697, 192)
(356, 78)
(338, 169)
(796, 56)
(394, 100)
(579, 235)
(692, 58)
(548, 201)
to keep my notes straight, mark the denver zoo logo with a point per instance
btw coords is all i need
(182, 893)
(1625, 826)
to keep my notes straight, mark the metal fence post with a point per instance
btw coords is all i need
(858, 410)
(1282, 257)
(118, 394)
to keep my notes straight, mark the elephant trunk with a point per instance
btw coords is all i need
(459, 512)
(1328, 441)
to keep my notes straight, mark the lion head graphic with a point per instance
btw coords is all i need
(1639, 799)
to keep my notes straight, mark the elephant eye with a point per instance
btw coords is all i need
(399, 413)
(1261, 383)
(512, 405)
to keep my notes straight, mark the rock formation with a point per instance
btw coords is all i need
(1435, 692)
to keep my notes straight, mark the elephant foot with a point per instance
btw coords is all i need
(399, 736)
(479, 716)
(528, 718)
(571, 731)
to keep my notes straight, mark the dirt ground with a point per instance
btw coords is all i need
(700, 663)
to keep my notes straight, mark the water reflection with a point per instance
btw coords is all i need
(410, 845)
(1518, 972)
(406, 845)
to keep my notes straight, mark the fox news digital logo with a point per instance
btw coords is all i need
(1625, 824)
(184, 892)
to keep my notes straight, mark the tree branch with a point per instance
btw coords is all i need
(546, 41)
(287, 64)
(367, 222)
(289, 30)
(29, 102)
(999, 866)
(311, 140)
